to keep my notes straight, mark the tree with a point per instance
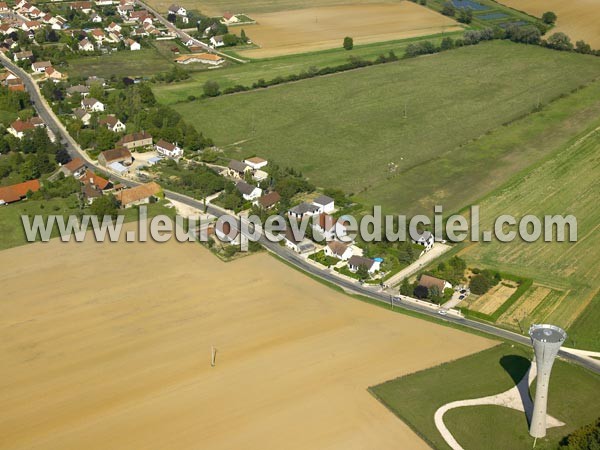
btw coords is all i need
(560, 41)
(479, 284)
(465, 15)
(243, 36)
(362, 273)
(421, 292)
(449, 9)
(230, 39)
(549, 18)
(348, 43)
(584, 438)
(211, 88)
(405, 288)
(447, 43)
(583, 47)
(107, 205)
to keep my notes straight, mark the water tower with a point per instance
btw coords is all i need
(546, 340)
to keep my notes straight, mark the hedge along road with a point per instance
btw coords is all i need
(46, 113)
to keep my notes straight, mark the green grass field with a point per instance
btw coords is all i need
(343, 130)
(269, 68)
(415, 398)
(564, 184)
(218, 7)
(11, 226)
(145, 62)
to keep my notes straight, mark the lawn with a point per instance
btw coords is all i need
(566, 183)
(343, 131)
(145, 62)
(218, 7)
(11, 226)
(246, 74)
(415, 398)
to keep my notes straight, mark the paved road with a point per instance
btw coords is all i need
(372, 292)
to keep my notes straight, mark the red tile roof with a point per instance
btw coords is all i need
(16, 192)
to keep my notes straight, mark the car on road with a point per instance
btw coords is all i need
(463, 291)
(461, 297)
(442, 312)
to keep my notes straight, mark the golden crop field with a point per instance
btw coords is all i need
(312, 29)
(577, 18)
(99, 351)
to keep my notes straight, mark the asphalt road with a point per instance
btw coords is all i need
(73, 149)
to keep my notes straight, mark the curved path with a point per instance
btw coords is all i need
(516, 398)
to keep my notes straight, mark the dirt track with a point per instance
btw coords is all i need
(313, 29)
(577, 18)
(107, 346)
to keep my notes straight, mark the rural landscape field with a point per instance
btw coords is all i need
(191, 247)
(578, 18)
(85, 359)
(312, 29)
(357, 120)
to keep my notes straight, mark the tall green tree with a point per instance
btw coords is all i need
(348, 43)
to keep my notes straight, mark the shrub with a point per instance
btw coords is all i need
(348, 43)
(479, 284)
(211, 88)
(549, 18)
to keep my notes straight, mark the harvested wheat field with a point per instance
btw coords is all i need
(107, 346)
(304, 30)
(577, 18)
(494, 298)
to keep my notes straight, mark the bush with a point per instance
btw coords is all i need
(211, 88)
(559, 41)
(348, 43)
(479, 284)
(584, 438)
(549, 18)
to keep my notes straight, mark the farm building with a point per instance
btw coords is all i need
(204, 58)
(116, 155)
(139, 195)
(256, 163)
(135, 140)
(16, 192)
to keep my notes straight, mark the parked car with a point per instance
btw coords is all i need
(461, 297)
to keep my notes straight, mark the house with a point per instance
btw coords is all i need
(217, 41)
(168, 149)
(139, 195)
(327, 228)
(124, 9)
(229, 19)
(113, 124)
(237, 169)
(91, 104)
(31, 25)
(54, 74)
(86, 46)
(432, 282)
(40, 66)
(98, 35)
(338, 250)
(7, 29)
(96, 18)
(103, 2)
(93, 179)
(84, 7)
(37, 122)
(325, 204)
(224, 233)
(4, 7)
(120, 155)
(78, 89)
(256, 162)
(82, 115)
(178, 10)
(16, 192)
(133, 45)
(140, 16)
(425, 239)
(135, 140)
(20, 56)
(260, 175)
(303, 209)
(90, 193)
(74, 168)
(297, 245)
(269, 200)
(113, 27)
(19, 127)
(356, 262)
(248, 191)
